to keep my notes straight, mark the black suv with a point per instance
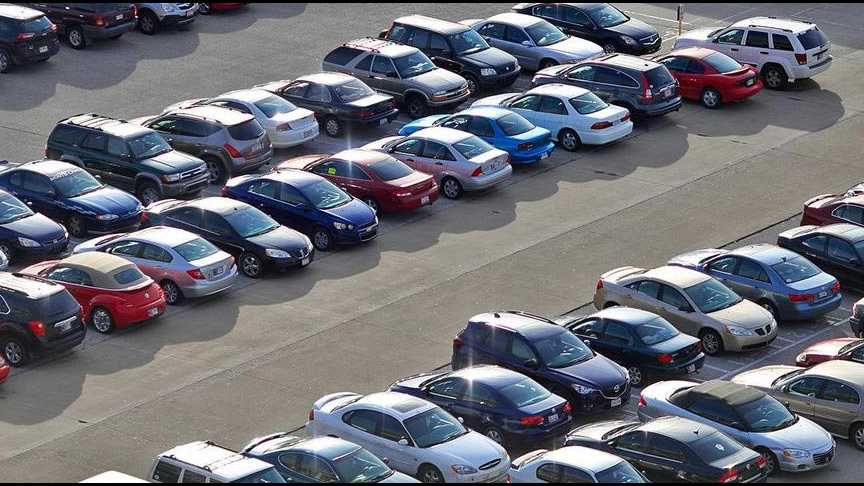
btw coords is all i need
(127, 156)
(458, 48)
(26, 35)
(82, 23)
(36, 317)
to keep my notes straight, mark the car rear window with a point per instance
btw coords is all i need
(588, 103)
(128, 276)
(659, 77)
(525, 393)
(795, 270)
(341, 55)
(472, 147)
(38, 24)
(249, 130)
(812, 38)
(274, 105)
(57, 306)
(196, 249)
(722, 63)
(514, 124)
(67, 135)
(715, 447)
(390, 169)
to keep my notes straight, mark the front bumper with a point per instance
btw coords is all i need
(803, 311)
(184, 188)
(596, 401)
(643, 49)
(294, 261)
(816, 460)
(200, 288)
(291, 138)
(533, 155)
(120, 225)
(486, 181)
(608, 135)
(355, 236)
(179, 19)
(499, 80)
(98, 33)
(748, 343)
(54, 247)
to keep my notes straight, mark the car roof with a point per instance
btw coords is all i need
(694, 52)
(494, 376)
(250, 95)
(765, 253)
(680, 276)
(491, 112)
(678, 428)
(216, 204)
(329, 448)
(627, 315)
(529, 326)
(795, 26)
(18, 12)
(225, 116)
(857, 199)
(381, 46)
(217, 459)
(732, 394)
(329, 79)
(360, 156)
(558, 89)
(295, 177)
(845, 370)
(111, 126)
(163, 235)
(102, 267)
(445, 27)
(628, 61)
(32, 287)
(584, 457)
(515, 19)
(400, 405)
(48, 167)
(443, 134)
(846, 231)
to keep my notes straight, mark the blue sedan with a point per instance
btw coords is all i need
(501, 128)
(25, 233)
(782, 281)
(308, 203)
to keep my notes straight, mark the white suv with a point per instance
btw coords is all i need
(782, 50)
(206, 462)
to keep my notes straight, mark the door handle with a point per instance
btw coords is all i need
(734, 49)
(409, 160)
(439, 163)
(763, 52)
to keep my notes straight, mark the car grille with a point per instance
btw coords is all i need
(301, 253)
(185, 6)
(615, 391)
(490, 464)
(509, 68)
(824, 458)
(764, 331)
(189, 174)
(650, 39)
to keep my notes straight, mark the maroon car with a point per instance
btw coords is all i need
(850, 349)
(379, 180)
(82, 23)
(836, 208)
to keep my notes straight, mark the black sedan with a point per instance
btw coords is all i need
(674, 449)
(255, 239)
(837, 249)
(600, 23)
(337, 100)
(644, 343)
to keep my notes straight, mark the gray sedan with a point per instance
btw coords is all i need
(184, 264)
(534, 42)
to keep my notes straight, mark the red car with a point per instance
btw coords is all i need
(208, 8)
(379, 180)
(711, 77)
(112, 291)
(5, 369)
(851, 349)
(836, 208)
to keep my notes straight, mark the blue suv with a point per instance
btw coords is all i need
(25, 233)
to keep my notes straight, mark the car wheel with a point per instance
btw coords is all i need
(712, 343)
(451, 188)
(5, 61)
(430, 474)
(609, 47)
(148, 193)
(14, 350)
(710, 98)
(771, 466)
(417, 107)
(148, 23)
(333, 126)
(102, 320)
(775, 77)
(636, 375)
(251, 265)
(77, 226)
(75, 38)
(218, 174)
(473, 85)
(569, 140)
(770, 308)
(495, 434)
(547, 63)
(856, 433)
(204, 9)
(322, 240)
(373, 205)
(7, 250)
(173, 294)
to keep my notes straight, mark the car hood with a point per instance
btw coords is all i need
(803, 434)
(420, 123)
(597, 430)
(744, 314)
(763, 377)
(172, 162)
(829, 348)
(598, 372)
(471, 449)
(108, 200)
(693, 37)
(398, 477)
(575, 48)
(282, 238)
(370, 100)
(37, 227)
(355, 212)
(439, 79)
(495, 100)
(492, 57)
(634, 28)
(694, 259)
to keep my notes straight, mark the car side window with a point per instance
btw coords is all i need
(675, 63)
(397, 33)
(412, 146)
(501, 341)
(216, 224)
(570, 475)
(296, 89)
(365, 64)
(341, 55)
(384, 66)
(70, 275)
(521, 350)
(95, 141)
(808, 386)
(165, 472)
(840, 250)
(481, 127)
(451, 388)
(126, 248)
(758, 39)
(458, 122)
(118, 147)
(781, 42)
(554, 106)
(265, 187)
(695, 67)
(481, 394)
(666, 447)
(838, 392)
(167, 124)
(650, 288)
(66, 135)
(710, 409)
(419, 38)
(154, 253)
(633, 441)
(576, 17)
(752, 271)
(437, 151)
(528, 102)
(292, 196)
(590, 328)
(316, 469)
(550, 473)
(37, 183)
(516, 35)
(856, 355)
(357, 173)
(674, 298)
(618, 334)
(438, 45)
(188, 215)
(291, 461)
(606, 76)
(191, 477)
(335, 168)
(319, 93)
(365, 420)
(549, 11)
(493, 30)
(731, 37)
(724, 265)
(391, 429)
(848, 212)
(816, 243)
(583, 73)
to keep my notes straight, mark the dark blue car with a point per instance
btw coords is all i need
(506, 406)
(308, 203)
(28, 234)
(65, 192)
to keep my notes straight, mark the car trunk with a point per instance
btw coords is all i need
(215, 266)
(817, 47)
(60, 313)
(491, 162)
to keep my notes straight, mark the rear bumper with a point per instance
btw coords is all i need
(741, 93)
(609, 135)
(290, 138)
(250, 164)
(679, 369)
(58, 345)
(202, 289)
(23, 55)
(659, 109)
(99, 227)
(532, 155)
(4, 372)
(499, 80)
(487, 181)
(803, 311)
(411, 203)
(539, 436)
(125, 316)
(803, 72)
(98, 33)
(388, 115)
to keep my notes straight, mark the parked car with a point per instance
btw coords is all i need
(787, 441)
(506, 406)
(207, 462)
(695, 303)
(338, 100)
(47, 319)
(503, 129)
(547, 353)
(600, 23)
(835, 208)
(114, 477)
(310, 204)
(182, 263)
(82, 23)
(379, 180)
(229, 141)
(828, 394)
(322, 460)
(573, 464)
(419, 438)
(711, 77)
(458, 48)
(128, 156)
(403, 72)
(460, 161)
(856, 321)
(835, 248)
(783, 282)
(286, 124)
(112, 291)
(24, 233)
(65, 192)
(5, 370)
(255, 240)
(848, 349)
(782, 50)
(26, 36)
(153, 17)
(674, 449)
(574, 115)
(646, 88)
(534, 42)
(644, 343)
(209, 8)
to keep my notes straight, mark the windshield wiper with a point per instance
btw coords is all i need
(264, 231)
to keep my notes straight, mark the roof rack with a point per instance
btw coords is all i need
(370, 44)
(528, 314)
(4, 284)
(95, 122)
(769, 27)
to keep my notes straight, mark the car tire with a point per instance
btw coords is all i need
(217, 169)
(102, 320)
(333, 126)
(772, 467)
(148, 193)
(173, 294)
(322, 239)
(609, 47)
(7, 250)
(856, 435)
(428, 473)
(712, 343)
(77, 226)
(14, 350)
(451, 188)
(251, 265)
(5, 61)
(373, 205)
(473, 84)
(770, 308)
(569, 140)
(417, 107)
(495, 434)
(775, 77)
(148, 23)
(204, 9)
(637, 376)
(547, 63)
(710, 98)
(75, 37)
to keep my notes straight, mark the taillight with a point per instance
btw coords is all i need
(642, 402)
(99, 21)
(532, 420)
(53, 27)
(366, 114)
(625, 117)
(761, 462)
(37, 328)
(196, 274)
(311, 415)
(601, 125)
(233, 152)
(647, 96)
(477, 172)
(144, 217)
(836, 287)
(25, 36)
(568, 408)
(801, 58)
(664, 358)
(524, 146)
(457, 343)
(801, 297)
(134, 11)
(599, 285)
(224, 191)
(728, 476)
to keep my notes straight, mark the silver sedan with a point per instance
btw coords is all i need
(184, 264)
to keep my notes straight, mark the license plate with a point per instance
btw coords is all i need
(63, 326)
(382, 122)
(553, 418)
(750, 81)
(822, 294)
(544, 155)
(308, 133)
(119, 17)
(615, 403)
(424, 200)
(218, 271)
(691, 369)
(43, 49)
(152, 312)
(305, 261)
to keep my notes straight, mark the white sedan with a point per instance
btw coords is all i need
(573, 464)
(573, 115)
(417, 437)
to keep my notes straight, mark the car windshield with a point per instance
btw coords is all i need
(11, 209)
(545, 34)
(714, 447)
(249, 222)
(390, 169)
(607, 16)
(587, 103)
(622, 472)
(765, 415)
(262, 477)
(467, 42)
(248, 130)
(656, 331)
(434, 427)
(75, 182)
(472, 147)
(514, 124)
(413, 65)
(524, 393)
(36, 25)
(196, 249)
(722, 63)
(796, 269)
(562, 350)
(812, 38)
(274, 105)
(149, 145)
(352, 91)
(712, 296)
(361, 466)
(325, 195)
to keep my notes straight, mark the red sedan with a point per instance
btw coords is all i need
(5, 369)
(835, 208)
(379, 180)
(851, 349)
(111, 290)
(711, 77)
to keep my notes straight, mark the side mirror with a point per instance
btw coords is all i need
(386, 460)
(383, 33)
(587, 342)
(461, 420)
(531, 363)
(527, 43)
(715, 40)
(403, 442)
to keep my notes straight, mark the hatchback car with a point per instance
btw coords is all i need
(503, 129)
(835, 208)
(419, 438)
(573, 115)
(460, 161)
(182, 263)
(711, 77)
(384, 183)
(257, 241)
(82, 23)
(112, 291)
(26, 36)
(788, 441)
(206, 462)
(310, 204)
(783, 282)
(573, 464)
(26, 234)
(644, 343)
(849, 349)
(836, 248)
(695, 303)
(506, 406)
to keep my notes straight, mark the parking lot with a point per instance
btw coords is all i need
(252, 362)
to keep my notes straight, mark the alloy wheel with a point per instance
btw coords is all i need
(773, 78)
(431, 475)
(711, 343)
(76, 38)
(609, 48)
(148, 24)
(569, 140)
(635, 375)
(251, 265)
(4, 61)
(710, 98)
(171, 291)
(215, 169)
(332, 127)
(149, 195)
(321, 240)
(76, 226)
(451, 188)
(102, 321)
(495, 435)
(13, 353)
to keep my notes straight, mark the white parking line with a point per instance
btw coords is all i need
(715, 368)
(674, 21)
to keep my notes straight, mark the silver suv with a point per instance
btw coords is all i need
(153, 17)
(404, 72)
(206, 462)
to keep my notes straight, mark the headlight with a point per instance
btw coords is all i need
(169, 7)
(28, 243)
(795, 454)
(276, 253)
(342, 226)
(439, 93)
(629, 40)
(171, 178)
(583, 390)
(107, 217)
(739, 331)
(487, 72)
(463, 469)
